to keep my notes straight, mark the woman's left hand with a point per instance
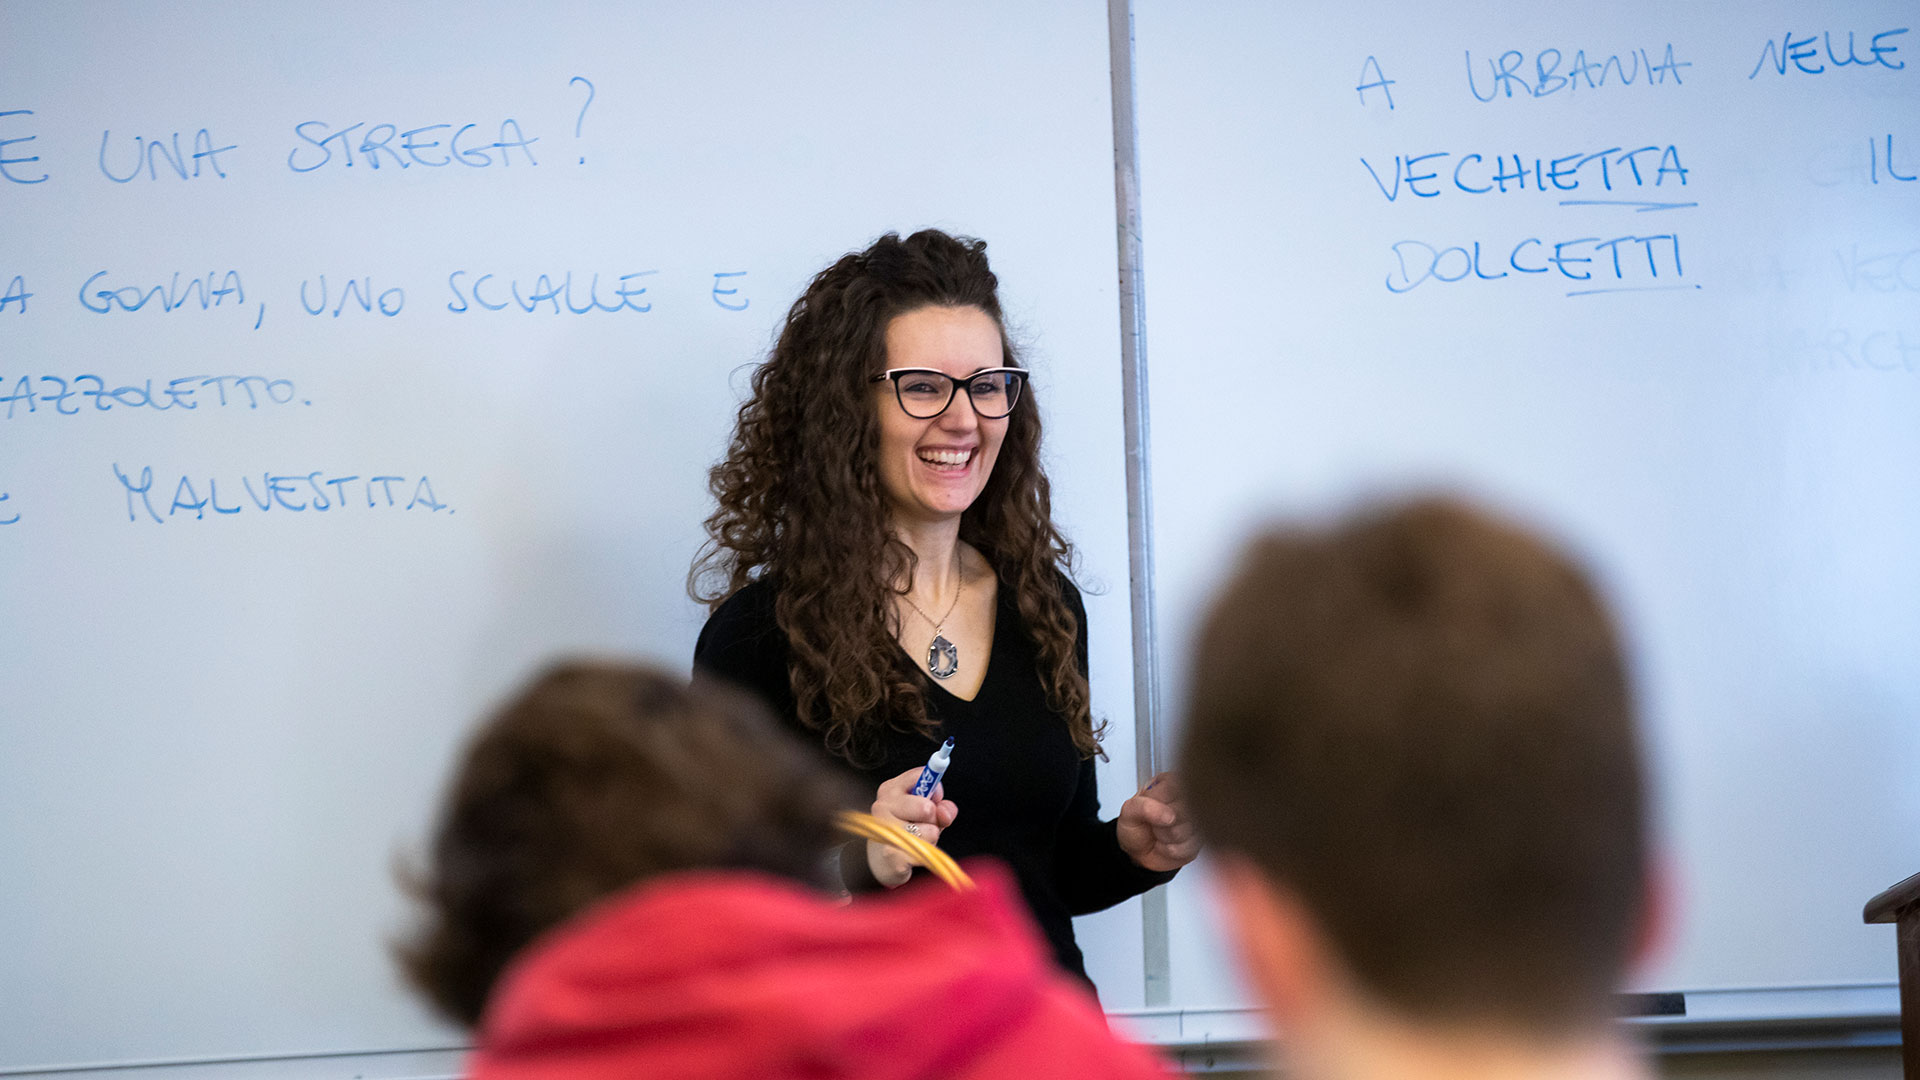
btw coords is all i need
(1154, 829)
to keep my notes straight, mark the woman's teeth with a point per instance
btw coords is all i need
(951, 459)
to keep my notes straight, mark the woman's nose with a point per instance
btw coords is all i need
(960, 415)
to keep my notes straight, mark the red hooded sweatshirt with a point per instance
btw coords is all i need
(726, 974)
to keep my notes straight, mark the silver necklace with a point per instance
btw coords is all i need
(943, 656)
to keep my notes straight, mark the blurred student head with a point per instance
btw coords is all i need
(622, 790)
(598, 776)
(1411, 745)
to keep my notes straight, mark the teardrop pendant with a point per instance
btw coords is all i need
(943, 658)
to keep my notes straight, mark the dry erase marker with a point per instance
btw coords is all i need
(936, 768)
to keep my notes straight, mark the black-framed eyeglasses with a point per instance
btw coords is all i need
(924, 393)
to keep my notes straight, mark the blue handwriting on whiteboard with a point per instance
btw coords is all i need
(560, 294)
(7, 518)
(207, 293)
(1806, 59)
(356, 292)
(16, 294)
(1871, 349)
(1873, 166)
(1602, 266)
(730, 290)
(1427, 176)
(582, 118)
(1372, 78)
(1892, 271)
(153, 153)
(1546, 76)
(7, 162)
(429, 145)
(63, 395)
(294, 493)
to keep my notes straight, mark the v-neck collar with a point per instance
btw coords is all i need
(993, 650)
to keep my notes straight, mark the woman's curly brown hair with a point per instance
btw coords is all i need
(801, 502)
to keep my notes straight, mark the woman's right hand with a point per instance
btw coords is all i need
(896, 803)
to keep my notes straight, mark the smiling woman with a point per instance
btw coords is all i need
(934, 458)
(884, 569)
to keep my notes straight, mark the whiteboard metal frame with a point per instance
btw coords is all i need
(1149, 752)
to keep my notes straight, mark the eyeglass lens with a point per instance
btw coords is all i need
(926, 394)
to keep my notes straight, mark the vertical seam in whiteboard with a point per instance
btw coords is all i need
(1148, 757)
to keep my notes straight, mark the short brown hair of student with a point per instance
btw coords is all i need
(1419, 723)
(598, 776)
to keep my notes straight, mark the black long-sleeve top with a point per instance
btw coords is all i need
(1024, 792)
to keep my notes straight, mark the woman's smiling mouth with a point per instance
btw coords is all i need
(947, 459)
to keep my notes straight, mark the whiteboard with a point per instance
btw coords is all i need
(518, 259)
(1394, 245)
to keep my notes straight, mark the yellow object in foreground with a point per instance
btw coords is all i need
(869, 827)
